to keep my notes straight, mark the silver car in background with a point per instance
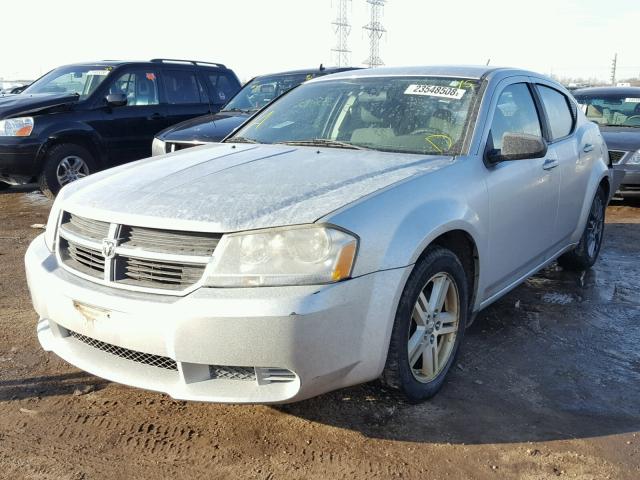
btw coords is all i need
(349, 231)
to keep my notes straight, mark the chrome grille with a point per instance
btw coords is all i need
(133, 257)
(616, 156)
(139, 357)
(154, 273)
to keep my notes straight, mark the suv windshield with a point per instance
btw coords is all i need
(75, 80)
(611, 109)
(424, 115)
(262, 90)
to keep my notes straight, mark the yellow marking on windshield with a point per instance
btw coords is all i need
(437, 147)
(266, 117)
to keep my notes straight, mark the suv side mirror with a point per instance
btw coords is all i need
(518, 146)
(116, 99)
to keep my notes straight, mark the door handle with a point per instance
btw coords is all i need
(155, 116)
(587, 148)
(550, 164)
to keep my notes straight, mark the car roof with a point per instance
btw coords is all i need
(607, 91)
(461, 71)
(157, 61)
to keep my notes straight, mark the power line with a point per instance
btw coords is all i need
(375, 30)
(343, 29)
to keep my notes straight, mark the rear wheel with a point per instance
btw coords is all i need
(429, 326)
(586, 252)
(64, 164)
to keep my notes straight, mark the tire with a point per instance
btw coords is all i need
(79, 163)
(424, 378)
(585, 254)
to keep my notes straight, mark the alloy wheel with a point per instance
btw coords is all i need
(71, 168)
(433, 327)
(595, 226)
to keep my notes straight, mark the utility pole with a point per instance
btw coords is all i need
(375, 30)
(342, 28)
(614, 64)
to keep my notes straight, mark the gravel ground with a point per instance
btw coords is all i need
(547, 386)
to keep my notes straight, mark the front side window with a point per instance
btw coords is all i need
(557, 108)
(182, 87)
(612, 109)
(74, 80)
(223, 85)
(140, 87)
(422, 115)
(515, 113)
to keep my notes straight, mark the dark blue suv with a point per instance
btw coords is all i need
(78, 119)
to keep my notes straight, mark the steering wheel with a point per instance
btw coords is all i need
(427, 131)
(631, 118)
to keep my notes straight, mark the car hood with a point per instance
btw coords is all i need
(208, 128)
(24, 103)
(225, 187)
(621, 138)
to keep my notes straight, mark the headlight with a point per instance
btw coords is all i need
(285, 256)
(635, 159)
(52, 225)
(16, 127)
(157, 147)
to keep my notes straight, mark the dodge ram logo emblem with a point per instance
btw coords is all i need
(108, 248)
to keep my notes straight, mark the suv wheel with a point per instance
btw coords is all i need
(64, 163)
(429, 326)
(586, 252)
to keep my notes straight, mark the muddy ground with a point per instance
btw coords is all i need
(548, 385)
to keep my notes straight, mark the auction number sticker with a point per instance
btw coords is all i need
(98, 72)
(435, 91)
(632, 100)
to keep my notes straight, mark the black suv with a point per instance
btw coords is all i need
(256, 94)
(78, 119)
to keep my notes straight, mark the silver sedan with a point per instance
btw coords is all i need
(350, 231)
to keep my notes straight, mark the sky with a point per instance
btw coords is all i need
(567, 38)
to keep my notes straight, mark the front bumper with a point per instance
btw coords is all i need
(630, 183)
(328, 336)
(18, 156)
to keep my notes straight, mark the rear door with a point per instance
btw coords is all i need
(186, 96)
(128, 131)
(523, 194)
(573, 155)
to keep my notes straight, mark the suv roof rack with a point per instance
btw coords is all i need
(193, 62)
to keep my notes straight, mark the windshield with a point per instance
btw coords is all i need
(425, 115)
(612, 109)
(262, 90)
(74, 80)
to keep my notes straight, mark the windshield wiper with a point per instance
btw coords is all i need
(619, 125)
(240, 140)
(241, 110)
(323, 142)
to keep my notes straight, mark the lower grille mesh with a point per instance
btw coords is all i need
(232, 373)
(139, 357)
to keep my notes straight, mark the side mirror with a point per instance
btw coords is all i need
(116, 99)
(518, 146)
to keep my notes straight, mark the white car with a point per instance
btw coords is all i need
(349, 231)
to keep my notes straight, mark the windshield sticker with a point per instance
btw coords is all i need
(98, 72)
(632, 100)
(435, 91)
(151, 76)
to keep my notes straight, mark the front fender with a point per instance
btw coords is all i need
(74, 132)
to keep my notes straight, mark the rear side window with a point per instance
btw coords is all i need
(559, 115)
(140, 87)
(515, 113)
(223, 86)
(181, 87)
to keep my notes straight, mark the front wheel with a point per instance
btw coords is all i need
(586, 252)
(428, 327)
(64, 164)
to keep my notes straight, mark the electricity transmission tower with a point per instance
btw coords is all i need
(614, 64)
(375, 30)
(343, 29)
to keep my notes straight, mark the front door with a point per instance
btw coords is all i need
(523, 194)
(129, 130)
